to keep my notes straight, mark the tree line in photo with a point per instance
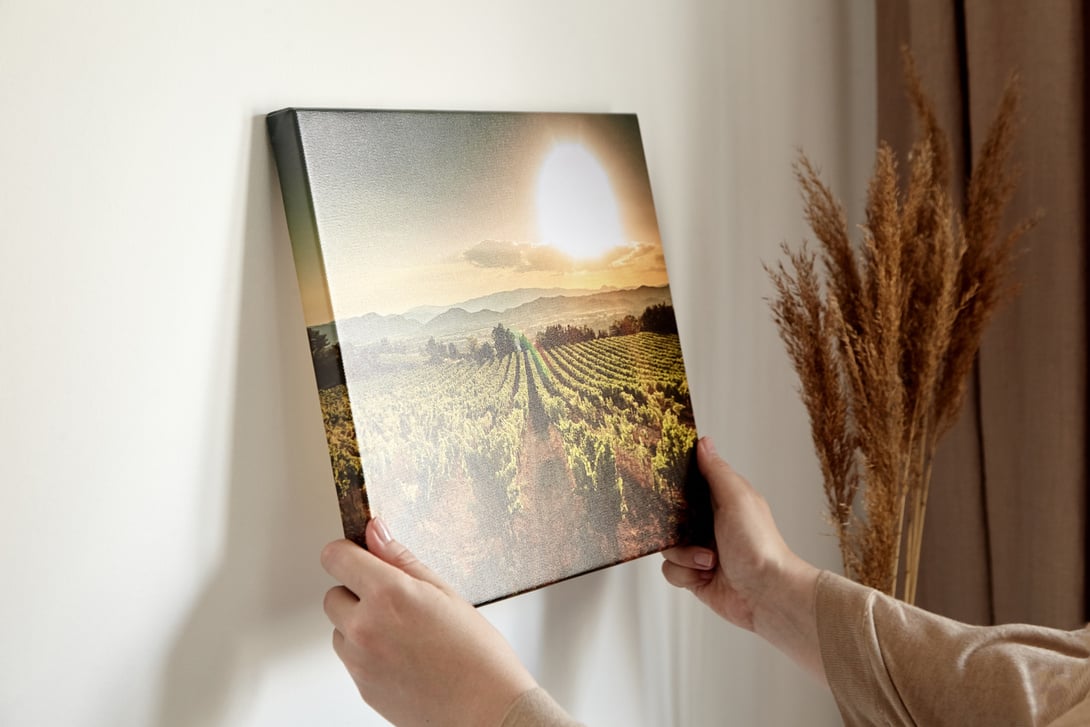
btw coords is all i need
(657, 318)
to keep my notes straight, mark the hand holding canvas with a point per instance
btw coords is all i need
(418, 652)
(752, 579)
(888, 662)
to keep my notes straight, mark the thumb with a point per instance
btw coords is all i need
(383, 545)
(722, 479)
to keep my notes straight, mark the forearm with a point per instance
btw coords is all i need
(785, 615)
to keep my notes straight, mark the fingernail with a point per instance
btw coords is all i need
(709, 446)
(382, 532)
(704, 559)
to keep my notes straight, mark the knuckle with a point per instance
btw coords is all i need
(330, 554)
(357, 632)
(330, 599)
(327, 601)
(385, 603)
(393, 597)
(402, 558)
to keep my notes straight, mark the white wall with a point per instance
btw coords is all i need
(164, 486)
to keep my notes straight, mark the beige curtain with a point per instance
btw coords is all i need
(1006, 532)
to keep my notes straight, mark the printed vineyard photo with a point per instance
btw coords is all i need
(501, 359)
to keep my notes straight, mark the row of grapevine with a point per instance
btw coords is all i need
(620, 404)
(428, 425)
(623, 394)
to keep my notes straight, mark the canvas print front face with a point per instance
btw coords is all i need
(511, 361)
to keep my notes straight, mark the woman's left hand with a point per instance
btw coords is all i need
(418, 652)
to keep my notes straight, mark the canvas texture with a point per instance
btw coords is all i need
(493, 336)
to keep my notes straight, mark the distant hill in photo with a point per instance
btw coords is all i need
(540, 308)
(373, 327)
(498, 302)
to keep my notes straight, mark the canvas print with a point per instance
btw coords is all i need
(493, 337)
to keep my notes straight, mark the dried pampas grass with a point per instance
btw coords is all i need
(883, 338)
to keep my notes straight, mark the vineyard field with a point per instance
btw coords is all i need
(525, 468)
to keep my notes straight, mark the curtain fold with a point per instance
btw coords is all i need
(1005, 536)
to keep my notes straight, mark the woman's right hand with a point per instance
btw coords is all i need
(752, 578)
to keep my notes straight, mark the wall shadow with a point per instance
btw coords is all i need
(570, 617)
(264, 597)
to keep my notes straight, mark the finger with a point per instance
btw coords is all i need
(342, 647)
(355, 659)
(338, 643)
(361, 572)
(723, 481)
(682, 577)
(691, 556)
(382, 544)
(338, 605)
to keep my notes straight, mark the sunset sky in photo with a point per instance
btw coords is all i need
(430, 208)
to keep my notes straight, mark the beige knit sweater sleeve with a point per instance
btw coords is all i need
(889, 663)
(535, 708)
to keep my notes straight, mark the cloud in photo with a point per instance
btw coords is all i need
(518, 256)
(640, 255)
(526, 257)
